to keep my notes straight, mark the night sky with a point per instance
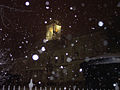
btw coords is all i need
(21, 25)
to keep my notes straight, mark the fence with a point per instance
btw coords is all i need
(32, 87)
(49, 88)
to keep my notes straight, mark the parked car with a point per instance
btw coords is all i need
(102, 71)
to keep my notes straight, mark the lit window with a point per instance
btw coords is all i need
(53, 31)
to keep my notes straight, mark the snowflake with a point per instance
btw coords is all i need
(27, 3)
(47, 3)
(35, 57)
(47, 7)
(100, 23)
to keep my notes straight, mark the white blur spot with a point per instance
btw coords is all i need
(20, 46)
(64, 46)
(72, 44)
(53, 72)
(93, 28)
(72, 71)
(65, 88)
(12, 59)
(58, 8)
(24, 37)
(100, 23)
(70, 26)
(22, 42)
(66, 54)
(35, 57)
(87, 59)
(83, 4)
(105, 28)
(26, 41)
(5, 72)
(90, 19)
(47, 7)
(39, 82)
(27, 3)
(43, 49)
(35, 75)
(75, 15)
(10, 55)
(71, 8)
(76, 41)
(0, 29)
(50, 18)
(69, 59)
(40, 51)
(51, 11)
(105, 42)
(51, 78)
(45, 40)
(80, 70)
(45, 22)
(114, 85)
(61, 67)
(56, 57)
(47, 3)
(26, 56)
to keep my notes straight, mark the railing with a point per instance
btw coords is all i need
(32, 87)
(49, 88)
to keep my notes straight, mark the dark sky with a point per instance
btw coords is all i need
(21, 26)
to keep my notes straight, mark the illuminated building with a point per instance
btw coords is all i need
(53, 31)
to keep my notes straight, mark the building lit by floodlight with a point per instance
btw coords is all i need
(53, 31)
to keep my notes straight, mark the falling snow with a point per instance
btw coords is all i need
(69, 59)
(47, 3)
(100, 23)
(89, 30)
(43, 49)
(27, 3)
(35, 57)
(47, 7)
(45, 22)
